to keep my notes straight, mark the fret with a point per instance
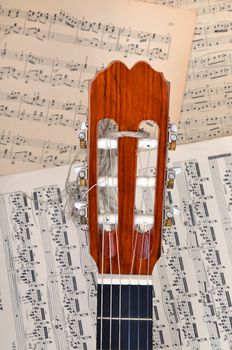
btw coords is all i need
(124, 317)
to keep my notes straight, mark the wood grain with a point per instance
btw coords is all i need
(127, 96)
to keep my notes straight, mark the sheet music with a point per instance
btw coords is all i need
(195, 283)
(47, 282)
(50, 51)
(47, 286)
(206, 110)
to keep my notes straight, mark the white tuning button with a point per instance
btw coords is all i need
(82, 173)
(81, 207)
(171, 175)
(83, 137)
(82, 176)
(83, 216)
(170, 212)
(172, 137)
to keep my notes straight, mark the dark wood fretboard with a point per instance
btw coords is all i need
(124, 317)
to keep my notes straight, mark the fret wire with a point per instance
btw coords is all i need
(144, 320)
(126, 318)
(148, 162)
(102, 285)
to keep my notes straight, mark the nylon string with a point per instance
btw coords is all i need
(148, 202)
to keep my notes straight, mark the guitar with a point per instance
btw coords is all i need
(125, 238)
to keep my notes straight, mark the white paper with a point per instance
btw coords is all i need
(206, 109)
(49, 52)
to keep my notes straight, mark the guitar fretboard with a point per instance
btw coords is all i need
(124, 317)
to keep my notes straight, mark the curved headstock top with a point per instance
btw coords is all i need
(128, 96)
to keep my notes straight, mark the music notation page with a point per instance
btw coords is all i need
(49, 52)
(206, 110)
(48, 286)
(195, 270)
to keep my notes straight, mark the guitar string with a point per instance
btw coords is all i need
(115, 212)
(118, 258)
(152, 197)
(130, 277)
(102, 289)
(110, 255)
(102, 265)
(134, 249)
(131, 272)
(146, 193)
(102, 126)
(141, 248)
(148, 265)
(129, 289)
(149, 197)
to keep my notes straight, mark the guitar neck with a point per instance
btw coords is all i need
(124, 316)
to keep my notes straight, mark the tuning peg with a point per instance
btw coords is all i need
(83, 216)
(170, 212)
(81, 207)
(83, 135)
(82, 138)
(171, 175)
(172, 137)
(82, 176)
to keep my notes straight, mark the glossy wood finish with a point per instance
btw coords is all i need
(128, 96)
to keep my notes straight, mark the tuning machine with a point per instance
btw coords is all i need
(82, 178)
(81, 172)
(171, 175)
(82, 212)
(172, 136)
(170, 212)
(83, 136)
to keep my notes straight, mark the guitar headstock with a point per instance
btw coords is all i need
(121, 240)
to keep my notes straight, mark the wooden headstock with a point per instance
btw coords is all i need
(128, 96)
